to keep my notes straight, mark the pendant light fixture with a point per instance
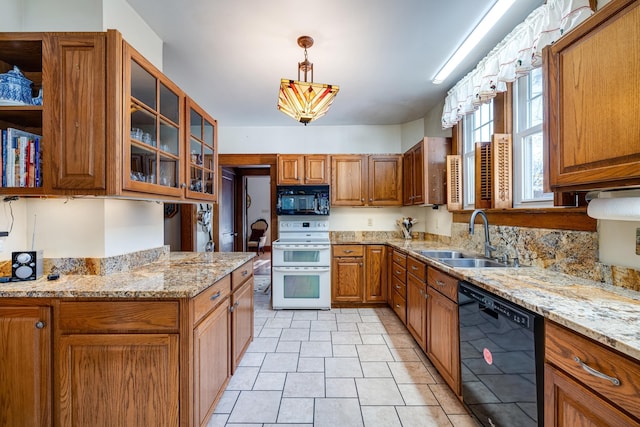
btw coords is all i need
(305, 101)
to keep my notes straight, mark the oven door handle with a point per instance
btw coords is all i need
(302, 269)
(303, 248)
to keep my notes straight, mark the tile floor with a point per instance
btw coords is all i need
(343, 367)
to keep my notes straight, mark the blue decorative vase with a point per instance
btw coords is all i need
(15, 88)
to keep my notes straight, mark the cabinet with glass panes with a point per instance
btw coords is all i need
(202, 156)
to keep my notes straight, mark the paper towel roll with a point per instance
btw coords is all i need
(619, 209)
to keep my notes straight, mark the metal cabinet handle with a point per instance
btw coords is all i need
(420, 291)
(236, 304)
(244, 273)
(397, 272)
(397, 286)
(440, 283)
(347, 251)
(371, 200)
(215, 296)
(231, 309)
(595, 373)
(362, 200)
(414, 268)
(398, 305)
(40, 324)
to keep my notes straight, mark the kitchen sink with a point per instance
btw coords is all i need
(472, 263)
(442, 254)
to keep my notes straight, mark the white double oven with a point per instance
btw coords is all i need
(301, 264)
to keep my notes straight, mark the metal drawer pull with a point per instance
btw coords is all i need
(397, 305)
(40, 324)
(595, 373)
(347, 251)
(244, 273)
(397, 286)
(215, 296)
(440, 283)
(413, 267)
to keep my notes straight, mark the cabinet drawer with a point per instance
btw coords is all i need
(563, 346)
(210, 298)
(399, 286)
(348, 250)
(113, 316)
(399, 272)
(399, 305)
(417, 268)
(444, 283)
(241, 274)
(400, 258)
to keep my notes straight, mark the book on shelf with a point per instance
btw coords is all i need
(21, 159)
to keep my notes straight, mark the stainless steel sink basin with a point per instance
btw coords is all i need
(442, 254)
(472, 263)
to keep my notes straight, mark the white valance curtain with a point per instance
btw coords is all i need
(517, 54)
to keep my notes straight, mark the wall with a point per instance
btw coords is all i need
(259, 189)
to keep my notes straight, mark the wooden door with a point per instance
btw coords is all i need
(241, 322)
(417, 309)
(407, 178)
(443, 337)
(141, 368)
(290, 169)
(348, 180)
(418, 174)
(376, 276)
(346, 279)
(568, 403)
(76, 98)
(385, 180)
(227, 227)
(25, 366)
(316, 169)
(211, 360)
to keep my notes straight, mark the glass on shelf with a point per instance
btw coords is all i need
(169, 104)
(143, 126)
(169, 171)
(143, 164)
(196, 180)
(208, 157)
(196, 152)
(169, 138)
(208, 181)
(143, 85)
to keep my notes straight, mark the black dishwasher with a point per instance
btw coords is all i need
(501, 355)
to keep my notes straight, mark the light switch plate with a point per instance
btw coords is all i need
(637, 241)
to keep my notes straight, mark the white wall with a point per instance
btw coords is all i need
(412, 133)
(259, 189)
(61, 15)
(11, 16)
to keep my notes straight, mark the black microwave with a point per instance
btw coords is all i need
(302, 200)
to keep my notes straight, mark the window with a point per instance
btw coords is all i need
(528, 157)
(477, 127)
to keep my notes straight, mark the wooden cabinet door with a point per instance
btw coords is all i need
(434, 177)
(211, 361)
(349, 180)
(407, 178)
(241, 322)
(417, 175)
(316, 169)
(118, 379)
(592, 107)
(385, 180)
(568, 403)
(346, 279)
(25, 366)
(443, 337)
(376, 276)
(417, 309)
(75, 85)
(290, 169)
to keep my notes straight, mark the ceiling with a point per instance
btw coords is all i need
(230, 55)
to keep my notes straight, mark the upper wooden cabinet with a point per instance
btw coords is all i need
(592, 130)
(366, 180)
(303, 169)
(110, 123)
(424, 179)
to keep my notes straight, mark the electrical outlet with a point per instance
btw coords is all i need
(370, 222)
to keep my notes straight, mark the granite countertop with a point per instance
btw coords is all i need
(182, 275)
(608, 314)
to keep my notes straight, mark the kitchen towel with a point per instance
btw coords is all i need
(619, 209)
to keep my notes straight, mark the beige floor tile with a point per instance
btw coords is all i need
(279, 362)
(348, 327)
(294, 335)
(298, 410)
(371, 328)
(344, 350)
(343, 367)
(378, 391)
(305, 315)
(252, 359)
(316, 349)
(320, 336)
(278, 323)
(417, 394)
(410, 373)
(227, 401)
(371, 319)
(301, 324)
(374, 353)
(380, 416)
(463, 421)
(304, 384)
(324, 325)
(218, 420)
(244, 378)
(337, 412)
(263, 345)
(404, 340)
(373, 339)
(270, 332)
(422, 416)
(256, 407)
(348, 317)
(345, 338)
(270, 381)
(325, 315)
(405, 354)
(368, 311)
(376, 370)
(311, 364)
(448, 400)
(288, 347)
(340, 387)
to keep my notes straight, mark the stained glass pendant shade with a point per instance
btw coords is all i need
(305, 101)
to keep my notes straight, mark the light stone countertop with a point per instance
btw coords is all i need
(182, 275)
(608, 314)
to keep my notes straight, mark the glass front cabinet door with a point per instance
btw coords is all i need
(153, 157)
(202, 154)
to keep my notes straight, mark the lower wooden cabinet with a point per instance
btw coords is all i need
(359, 274)
(417, 301)
(119, 379)
(25, 366)
(586, 383)
(443, 334)
(241, 322)
(375, 280)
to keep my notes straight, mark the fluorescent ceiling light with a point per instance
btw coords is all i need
(489, 20)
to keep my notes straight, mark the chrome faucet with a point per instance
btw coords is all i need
(487, 243)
